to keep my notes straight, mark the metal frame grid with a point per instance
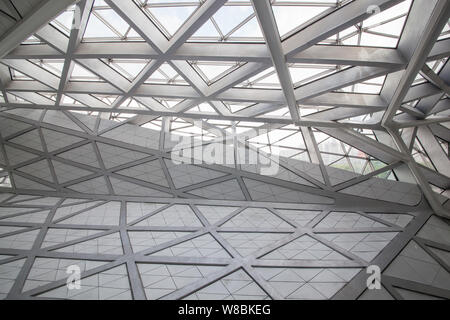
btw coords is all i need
(409, 113)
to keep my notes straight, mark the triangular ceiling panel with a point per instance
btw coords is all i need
(305, 13)
(184, 175)
(35, 217)
(9, 127)
(39, 170)
(20, 241)
(24, 183)
(85, 155)
(47, 270)
(88, 121)
(236, 286)
(216, 213)
(7, 229)
(227, 190)
(202, 247)
(386, 190)
(93, 186)
(230, 17)
(65, 172)
(112, 284)
(136, 210)
(160, 280)
(305, 248)
(211, 71)
(382, 29)
(80, 73)
(128, 68)
(88, 125)
(166, 74)
(348, 220)
(16, 156)
(249, 243)
(74, 208)
(109, 244)
(105, 24)
(60, 119)
(31, 139)
(176, 216)
(257, 218)
(261, 191)
(56, 140)
(126, 188)
(171, 18)
(146, 240)
(149, 172)
(56, 237)
(113, 156)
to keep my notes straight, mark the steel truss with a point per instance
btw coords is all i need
(401, 113)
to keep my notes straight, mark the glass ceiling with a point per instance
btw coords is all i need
(221, 73)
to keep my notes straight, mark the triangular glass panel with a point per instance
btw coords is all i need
(250, 31)
(17, 75)
(211, 71)
(106, 25)
(80, 73)
(63, 22)
(165, 75)
(267, 79)
(231, 16)
(291, 17)
(128, 68)
(207, 32)
(378, 30)
(171, 17)
(302, 74)
(54, 66)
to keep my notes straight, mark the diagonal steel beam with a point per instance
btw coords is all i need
(436, 22)
(42, 14)
(339, 20)
(269, 28)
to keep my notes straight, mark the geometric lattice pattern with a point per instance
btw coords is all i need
(224, 149)
(289, 259)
